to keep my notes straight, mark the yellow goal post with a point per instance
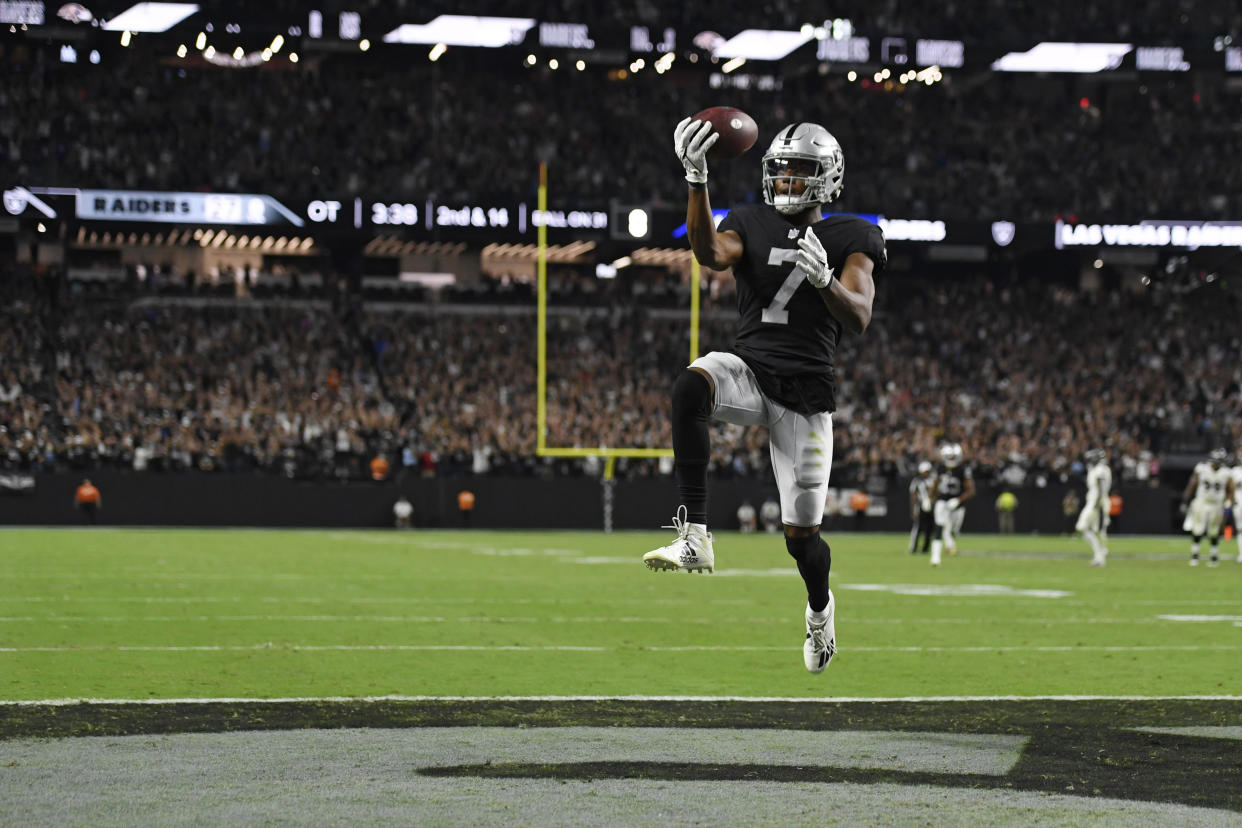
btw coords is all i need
(609, 453)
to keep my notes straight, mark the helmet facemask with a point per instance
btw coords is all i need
(803, 183)
(808, 163)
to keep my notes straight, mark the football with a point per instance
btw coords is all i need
(738, 131)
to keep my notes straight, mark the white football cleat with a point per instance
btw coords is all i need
(821, 638)
(691, 552)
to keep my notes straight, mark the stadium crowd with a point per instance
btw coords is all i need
(977, 146)
(1026, 375)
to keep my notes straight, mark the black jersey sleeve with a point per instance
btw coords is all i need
(868, 239)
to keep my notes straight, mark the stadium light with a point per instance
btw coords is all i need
(761, 44)
(464, 30)
(1065, 57)
(151, 17)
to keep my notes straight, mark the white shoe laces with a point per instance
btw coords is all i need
(682, 527)
(680, 523)
(819, 636)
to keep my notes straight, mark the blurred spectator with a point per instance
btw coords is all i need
(859, 503)
(1006, 505)
(88, 500)
(403, 512)
(746, 517)
(465, 506)
(770, 514)
(379, 468)
(1070, 505)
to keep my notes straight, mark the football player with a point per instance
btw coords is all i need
(921, 509)
(955, 484)
(1093, 520)
(1211, 484)
(802, 278)
(1237, 506)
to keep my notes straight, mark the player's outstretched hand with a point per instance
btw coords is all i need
(691, 141)
(812, 259)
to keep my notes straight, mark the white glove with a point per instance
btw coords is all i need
(954, 503)
(691, 141)
(812, 260)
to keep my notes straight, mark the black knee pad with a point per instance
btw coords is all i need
(692, 395)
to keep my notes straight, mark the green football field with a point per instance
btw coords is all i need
(194, 614)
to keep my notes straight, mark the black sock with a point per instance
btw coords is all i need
(814, 559)
(692, 410)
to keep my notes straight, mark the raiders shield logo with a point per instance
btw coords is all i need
(1003, 232)
(14, 202)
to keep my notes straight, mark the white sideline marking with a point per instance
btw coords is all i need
(554, 619)
(401, 619)
(1210, 731)
(306, 599)
(296, 647)
(569, 648)
(960, 590)
(752, 699)
(1200, 617)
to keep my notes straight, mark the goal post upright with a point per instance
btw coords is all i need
(609, 454)
(541, 279)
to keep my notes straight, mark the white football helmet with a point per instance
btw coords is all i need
(951, 454)
(824, 173)
(1217, 457)
(925, 468)
(1093, 456)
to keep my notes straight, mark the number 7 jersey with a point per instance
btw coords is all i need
(786, 335)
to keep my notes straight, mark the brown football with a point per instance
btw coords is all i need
(738, 131)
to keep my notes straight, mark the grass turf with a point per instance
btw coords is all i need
(268, 614)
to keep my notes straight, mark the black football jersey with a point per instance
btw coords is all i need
(951, 482)
(786, 335)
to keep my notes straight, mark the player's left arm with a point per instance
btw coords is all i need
(848, 295)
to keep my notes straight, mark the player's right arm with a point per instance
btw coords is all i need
(718, 251)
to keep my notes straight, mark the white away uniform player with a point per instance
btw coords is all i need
(1093, 520)
(1212, 487)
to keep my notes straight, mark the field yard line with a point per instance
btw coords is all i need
(755, 699)
(306, 599)
(562, 619)
(569, 648)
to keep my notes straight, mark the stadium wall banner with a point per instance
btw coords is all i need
(484, 220)
(1150, 233)
(17, 483)
(222, 499)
